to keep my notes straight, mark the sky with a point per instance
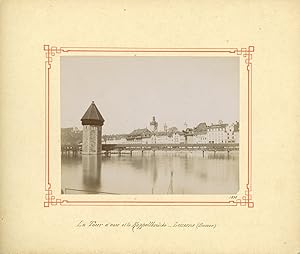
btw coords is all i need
(130, 90)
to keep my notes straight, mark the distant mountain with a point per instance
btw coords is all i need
(71, 136)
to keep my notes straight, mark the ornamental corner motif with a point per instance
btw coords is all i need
(50, 198)
(247, 53)
(51, 51)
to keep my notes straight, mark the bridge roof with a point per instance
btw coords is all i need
(92, 116)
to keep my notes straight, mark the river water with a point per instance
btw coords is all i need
(159, 173)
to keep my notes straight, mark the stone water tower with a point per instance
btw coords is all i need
(92, 122)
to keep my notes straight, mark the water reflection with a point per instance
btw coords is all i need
(162, 173)
(91, 165)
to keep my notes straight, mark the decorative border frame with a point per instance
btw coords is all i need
(51, 51)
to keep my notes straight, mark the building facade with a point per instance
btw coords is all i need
(114, 139)
(220, 133)
(139, 136)
(216, 134)
(200, 133)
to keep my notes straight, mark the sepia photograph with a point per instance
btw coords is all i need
(149, 124)
(150, 127)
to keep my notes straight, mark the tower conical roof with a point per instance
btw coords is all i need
(92, 116)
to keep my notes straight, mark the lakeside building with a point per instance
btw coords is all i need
(162, 137)
(236, 131)
(178, 137)
(214, 134)
(114, 139)
(197, 135)
(145, 136)
(139, 136)
(201, 134)
(171, 136)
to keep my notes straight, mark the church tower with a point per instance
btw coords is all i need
(92, 122)
(154, 125)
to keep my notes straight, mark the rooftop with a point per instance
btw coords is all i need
(92, 116)
(222, 125)
(140, 132)
(201, 128)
